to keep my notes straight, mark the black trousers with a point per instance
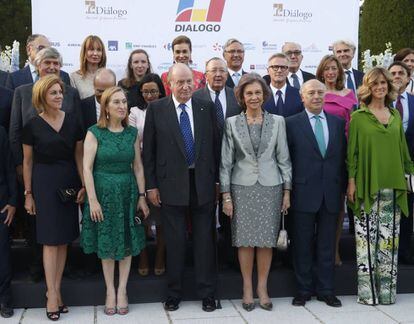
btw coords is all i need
(406, 230)
(5, 262)
(314, 251)
(175, 228)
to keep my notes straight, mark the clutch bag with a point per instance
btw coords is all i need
(283, 240)
(410, 182)
(67, 194)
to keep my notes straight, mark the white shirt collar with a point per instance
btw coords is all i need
(404, 95)
(231, 72)
(311, 115)
(176, 103)
(213, 92)
(274, 90)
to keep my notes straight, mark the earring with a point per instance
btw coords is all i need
(107, 116)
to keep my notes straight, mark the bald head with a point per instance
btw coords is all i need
(104, 79)
(313, 93)
(181, 82)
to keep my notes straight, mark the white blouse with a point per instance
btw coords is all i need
(137, 120)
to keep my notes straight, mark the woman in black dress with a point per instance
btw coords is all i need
(52, 149)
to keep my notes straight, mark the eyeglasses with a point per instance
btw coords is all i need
(296, 53)
(217, 71)
(278, 67)
(152, 92)
(232, 52)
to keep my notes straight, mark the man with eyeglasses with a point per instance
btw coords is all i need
(28, 74)
(345, 51)
(91, 106)
(285, 100)
(296, 76)
(233, 53)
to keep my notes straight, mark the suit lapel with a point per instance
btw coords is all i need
(267, 131)
(243, 134)
(307, 129)
(198, 112)
(172, 121)
(333, 133)
(28, 75)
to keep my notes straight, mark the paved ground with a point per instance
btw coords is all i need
(232, 313)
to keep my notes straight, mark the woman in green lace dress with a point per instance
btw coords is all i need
(113, 173)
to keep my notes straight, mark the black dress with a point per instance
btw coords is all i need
(54, 168)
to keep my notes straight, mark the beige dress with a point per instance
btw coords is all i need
(84, 84)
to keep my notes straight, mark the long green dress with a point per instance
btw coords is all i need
(116, 189)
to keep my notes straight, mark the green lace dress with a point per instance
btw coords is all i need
(116, 189)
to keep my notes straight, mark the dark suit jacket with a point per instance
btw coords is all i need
(409, 133)
(23, 111)
(88, 108)
(306, 77)
(3, 78)
(292, 105)
(316, 179)
(8, 182)
(358, 76)
(24, 76)
(6, 99)
(232, 108)
(164, 156)
(230, 82)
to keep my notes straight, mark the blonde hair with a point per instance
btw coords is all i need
(40, 89)
(88, 44)
(105, 99)
(372, 76)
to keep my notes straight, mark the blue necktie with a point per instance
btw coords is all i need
(219, 110)
(320, 138)
(349, 82)
(279, 104)
(185, 127)
(236, 78)
(296, 83)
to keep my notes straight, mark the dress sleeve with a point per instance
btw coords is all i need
(352, 154)
(27, 134)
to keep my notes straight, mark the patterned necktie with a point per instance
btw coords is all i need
(349, 83)
(320, 138)
(399, 107)
(219, 110)
(279, 104)
(296, 83)
(236, 78)
(185, 127)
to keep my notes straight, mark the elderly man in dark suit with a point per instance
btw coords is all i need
(233, 53)
(345, 51)
(226, 104)
(48, 61)
(180, 156)
(285, 100)
(91, 106)
(405, 105)
(296, 76)
(28, 74)
(6, 98)
(3, 78)
(317, 148)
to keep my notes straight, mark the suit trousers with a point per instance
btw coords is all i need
(314, 251)
(5, 262)
(406, 229)
(175, 228)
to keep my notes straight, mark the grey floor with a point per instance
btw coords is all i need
(232, 313)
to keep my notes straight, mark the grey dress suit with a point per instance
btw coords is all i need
(23, 110)
(184, 189)
(316, 200)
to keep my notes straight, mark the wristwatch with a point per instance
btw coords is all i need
(141, 194)
(27, 192)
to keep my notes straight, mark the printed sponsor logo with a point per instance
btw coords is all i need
(95, 11)
(269, 47)
(282, 13)
(112, 45)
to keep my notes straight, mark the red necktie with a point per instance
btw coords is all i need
(399, 107)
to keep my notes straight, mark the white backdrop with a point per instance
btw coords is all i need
(262, 25)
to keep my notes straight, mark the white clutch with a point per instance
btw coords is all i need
(283, 240)
(410, 182)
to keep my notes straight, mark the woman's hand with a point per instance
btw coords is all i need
(350, 192)
(142, 204)
(96, 211)
(227, 205)
(285, 201)
(81, 196)
(29, 205)
(11, 211)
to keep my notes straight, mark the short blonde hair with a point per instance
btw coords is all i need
(105, 99)
(40, 89)
(364, 91)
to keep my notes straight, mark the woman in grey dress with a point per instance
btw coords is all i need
(255, 177)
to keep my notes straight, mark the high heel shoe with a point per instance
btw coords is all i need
(159, 272)
(123, 310)
(266, 306)
(53, 316)
(143, 272)
(248, 306)
(63, 309)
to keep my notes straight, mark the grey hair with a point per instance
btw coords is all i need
(102, 71)
(231, 41)
(344, 42)
(287, 43)
(278, 55)
(33, 37)
(216, 59)
(48, 53)
(305, 85)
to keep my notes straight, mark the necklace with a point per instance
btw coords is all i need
(255, 119)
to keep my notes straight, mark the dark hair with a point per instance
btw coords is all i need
(339, 85)
(402, 53)
(246, 80)
(150, 77)
(182, 40)
(130, 80)
(403, 65)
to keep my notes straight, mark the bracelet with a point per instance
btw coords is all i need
(228, 199)
(27, 192)
(141, 194)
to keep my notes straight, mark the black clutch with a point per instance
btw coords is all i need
(68, 194)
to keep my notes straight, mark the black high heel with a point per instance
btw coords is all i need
(63, 309)
(53, 316)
